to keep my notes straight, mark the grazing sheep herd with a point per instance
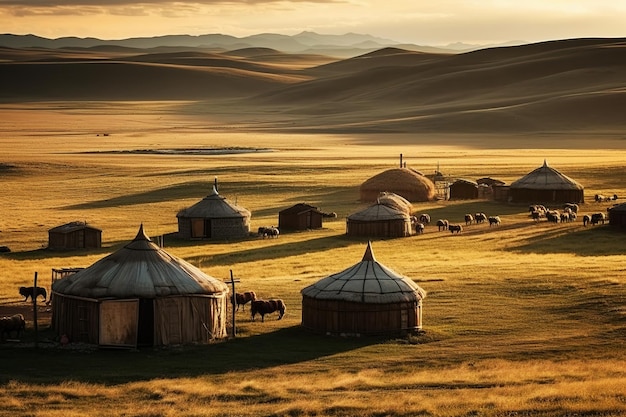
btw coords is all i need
(444, 224)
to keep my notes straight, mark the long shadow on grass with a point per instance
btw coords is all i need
(277, 251)
(198, 190)
(282, 347)
(578, 240)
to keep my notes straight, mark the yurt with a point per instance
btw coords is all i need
(366, 298)
(617, 215)
(379, 220)
(74, 235)
(546, 185)
(140, 295)
(405, 182)
(213, 217)
(301, 216)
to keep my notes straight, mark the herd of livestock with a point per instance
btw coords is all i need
(15, 324)
(537, 212)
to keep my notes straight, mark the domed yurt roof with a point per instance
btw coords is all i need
(367, 281)
(214, 206)
(378, 212)
(546, 178)
(405, 182)
(395, 201)
(140, 269)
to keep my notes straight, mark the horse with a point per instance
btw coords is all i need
(424, 218)
(263, 307)
(469, 219)
(455, 228)
(480, 217)
(14, 323)
(33, 292)
(241, 299)
(494, 221)
(269, 232)
(442, 223)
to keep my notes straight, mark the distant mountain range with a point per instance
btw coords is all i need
(349, 44)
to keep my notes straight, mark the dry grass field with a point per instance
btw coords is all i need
(522, 319)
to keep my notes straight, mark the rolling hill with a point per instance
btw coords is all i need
(556, 86)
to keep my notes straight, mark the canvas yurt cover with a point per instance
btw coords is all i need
(379, 220)
(214, 217)
(405, 182)
(396, 201)
(366, 298)
(140, 295)
(546, 185)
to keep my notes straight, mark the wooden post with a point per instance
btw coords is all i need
(233, 300)
(34, 299)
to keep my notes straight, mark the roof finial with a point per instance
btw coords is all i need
(141, 235)
(545, 162)
(368, 256)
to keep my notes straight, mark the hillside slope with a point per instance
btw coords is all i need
(567, 85)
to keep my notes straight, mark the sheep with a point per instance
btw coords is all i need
(14, 323)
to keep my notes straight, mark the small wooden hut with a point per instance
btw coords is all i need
(140, 295)
(406, 182)
(74, 235)
(463, 189)
(379, 220)
(213, 217)
(617, 215)
(301, 216)
(366, 298)
(546, 185)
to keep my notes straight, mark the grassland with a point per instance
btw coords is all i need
(522, 319)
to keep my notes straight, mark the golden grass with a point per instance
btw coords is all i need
(521, 319)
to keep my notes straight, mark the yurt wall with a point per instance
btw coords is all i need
(525, 195)
(379, 228)
(337, 316)
(213, 228)
(180, 320)
(617, 215)
(77, 318)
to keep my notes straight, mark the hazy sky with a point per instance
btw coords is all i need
(432, 22)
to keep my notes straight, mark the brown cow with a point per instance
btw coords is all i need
(264, 307)
(241, 299)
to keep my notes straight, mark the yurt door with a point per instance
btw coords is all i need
(118, 323)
